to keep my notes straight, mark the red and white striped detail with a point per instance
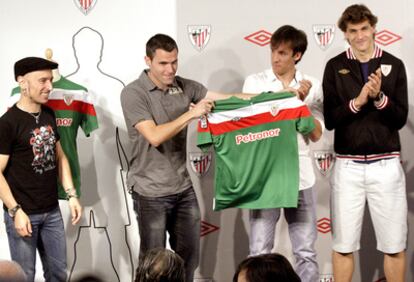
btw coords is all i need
(352, 106)
(377, 53)
(75, 106)
(202, 165)
(200, 38)
(256, 114)
(254, 109)
(78, 95)
(382, 103)
(325, 37)
(85, 4)
(326, 164)
(372, 157)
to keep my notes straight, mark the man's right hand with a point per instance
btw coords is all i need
(22, 224)
(363, 96)
(201, 108)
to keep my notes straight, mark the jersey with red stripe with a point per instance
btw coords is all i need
(73, 108)
(256, 149)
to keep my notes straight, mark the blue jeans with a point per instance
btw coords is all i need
(302, 232)
(177, 214)
(48, 237)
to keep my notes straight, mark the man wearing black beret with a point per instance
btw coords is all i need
(31, 159)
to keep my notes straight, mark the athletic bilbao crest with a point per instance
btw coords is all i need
(200, 162)
(199, 35)
(85, 6)
(274, 110)
(68, 98)
(324, 161)
(385, 69)
(324, 35)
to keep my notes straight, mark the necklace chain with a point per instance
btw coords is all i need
(36, 116)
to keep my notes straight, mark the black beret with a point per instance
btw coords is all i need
(29, 64)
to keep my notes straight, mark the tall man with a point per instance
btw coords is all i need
(156, 111)
(365, 101)
(31, 159)
(288, 45)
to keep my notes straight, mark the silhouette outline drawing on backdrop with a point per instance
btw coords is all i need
(121, 156)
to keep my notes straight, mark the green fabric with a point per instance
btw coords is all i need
(260, 174)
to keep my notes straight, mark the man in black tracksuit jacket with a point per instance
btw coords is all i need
(365, 101)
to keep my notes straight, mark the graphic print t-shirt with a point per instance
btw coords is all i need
(255, 143)
(31, 171)
(73, 108)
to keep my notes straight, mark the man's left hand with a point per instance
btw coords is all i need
(303, 90)
(75, 209)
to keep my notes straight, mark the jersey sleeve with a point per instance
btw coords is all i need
(204, 138)
(305, 123)
(89, 120)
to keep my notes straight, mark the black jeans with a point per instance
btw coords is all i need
(177, 214)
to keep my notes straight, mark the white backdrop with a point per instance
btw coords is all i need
(224, 62)
(101, 50)
(109, 44)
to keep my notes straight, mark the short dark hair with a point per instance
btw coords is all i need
(160, 41)
(290, 35)
(267, 268)
(355, 14)
(160, 265)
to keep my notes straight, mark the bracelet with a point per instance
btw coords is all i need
(12, 211)
(70, 193)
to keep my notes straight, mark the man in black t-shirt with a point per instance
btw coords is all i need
(31, 159)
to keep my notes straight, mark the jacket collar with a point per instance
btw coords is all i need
(376, 54)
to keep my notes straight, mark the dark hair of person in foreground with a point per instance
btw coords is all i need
(266, 268)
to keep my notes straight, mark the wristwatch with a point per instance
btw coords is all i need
(379, 97)
(13, 211)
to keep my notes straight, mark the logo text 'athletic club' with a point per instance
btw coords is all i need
(200, 162)
(199, 35)
(85, 6)
(324, 161)
(324, 35)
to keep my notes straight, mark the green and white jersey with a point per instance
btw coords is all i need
(255, 143)
(73, 108)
